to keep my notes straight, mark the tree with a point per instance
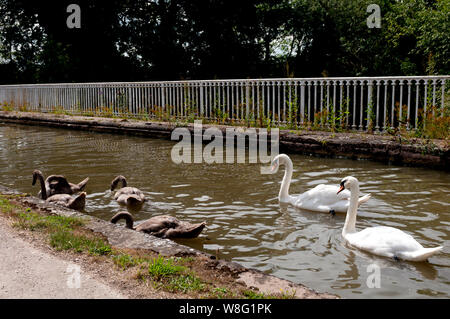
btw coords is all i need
(136, 40)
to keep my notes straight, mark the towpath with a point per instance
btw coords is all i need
(28, 272)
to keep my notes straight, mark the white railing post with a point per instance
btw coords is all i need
(333, 116)
(377, 116)
(408, 119)
(202, 99)
(369, 104)
(425, 102)
(302, 102)
(361, 113)
(417, 104)
(290, 103)
(393, 104)
(247, 99)
(279, 102)
(321, 101)
(328, 99)
(442, 97)
(265, 99)
(400, 111)
(434, 96)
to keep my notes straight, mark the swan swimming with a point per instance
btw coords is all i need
(66, 200)
(381, 240)
(322, 198)
(58, 184)
(128, 196)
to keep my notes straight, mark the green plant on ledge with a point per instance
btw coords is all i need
(23, 108)
(435, 124)
(220, 115)
(59, 110)
(7, 107)
(344, 113)
(371, 119)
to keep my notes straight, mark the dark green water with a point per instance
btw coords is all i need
(245, 222)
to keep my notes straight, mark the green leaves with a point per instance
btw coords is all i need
(204, 39)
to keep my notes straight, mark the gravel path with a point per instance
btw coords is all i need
(26, 272)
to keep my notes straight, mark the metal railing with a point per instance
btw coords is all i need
(376, 103)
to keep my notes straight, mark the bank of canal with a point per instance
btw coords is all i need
(213, 278)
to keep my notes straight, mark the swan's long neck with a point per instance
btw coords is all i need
(116, 181)
(123, 215)
(350, 219)
(124, 182)
(43, 189)
(283, 196)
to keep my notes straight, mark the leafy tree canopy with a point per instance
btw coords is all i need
(139, 40)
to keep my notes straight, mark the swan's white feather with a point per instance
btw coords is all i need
(322, 198)
(390, 242)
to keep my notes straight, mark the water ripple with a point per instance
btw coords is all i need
(245, 222)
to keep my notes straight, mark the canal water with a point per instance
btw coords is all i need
(245, 222)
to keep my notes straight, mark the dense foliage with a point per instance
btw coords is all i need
(204, 39)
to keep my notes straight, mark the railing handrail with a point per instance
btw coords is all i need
(364, 78)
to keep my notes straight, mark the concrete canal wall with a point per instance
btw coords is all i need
(433, 154)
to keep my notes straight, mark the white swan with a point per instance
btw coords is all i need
(322, 198)
(380, 240)
(131, 197)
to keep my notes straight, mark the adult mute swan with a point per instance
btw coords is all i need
(162, 226)
(127, 196)
(322, 198)
(381, 240)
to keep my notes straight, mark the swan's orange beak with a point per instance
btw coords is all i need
(274, 166)
(341, 189)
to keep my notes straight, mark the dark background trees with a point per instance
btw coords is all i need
(139, 40)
